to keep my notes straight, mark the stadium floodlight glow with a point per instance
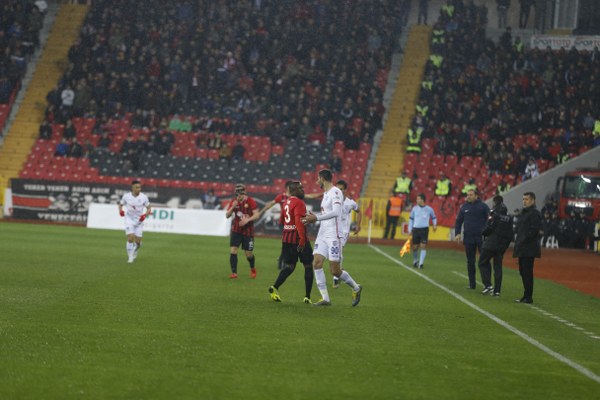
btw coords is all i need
(586, 180)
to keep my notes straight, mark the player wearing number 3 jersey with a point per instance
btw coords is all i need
(328, 244)
(295, 244)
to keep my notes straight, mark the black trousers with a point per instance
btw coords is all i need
(526, 271)
(390, 224)
(485, 268)
(471, 251)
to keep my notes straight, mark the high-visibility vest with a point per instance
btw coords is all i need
(402, 185)
(422, 110)
(596, 127)
(561, 158)
(469, 186)
(437, 60)
(519, 47)
(442, 187)
(395, 207)
(449, 9)
(438, 36)
(504, 189)
(414, 140)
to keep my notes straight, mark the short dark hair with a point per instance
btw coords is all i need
(135, 182)
(288, 183)
(421, 195)
(294, 187)
(326, 175)
(530, 194)
(343, 183)
(498, 199)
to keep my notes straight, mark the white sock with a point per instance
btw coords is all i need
(423, 254)
(348, 279)
(322, 283)
(130, 248)
(414, 254)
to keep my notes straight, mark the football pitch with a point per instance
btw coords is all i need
(78, 322)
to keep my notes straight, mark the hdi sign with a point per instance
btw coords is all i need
(168, 220)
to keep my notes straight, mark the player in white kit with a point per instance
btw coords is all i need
(328, 242)
(132, 207)
(348, 206)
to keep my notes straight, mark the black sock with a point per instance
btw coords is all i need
(280, 264)
(233, 263)
(309, 276)
(283, 275)
(251, 261)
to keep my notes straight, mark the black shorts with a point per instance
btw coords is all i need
(290, 255)
(420, 235)
(236, 239)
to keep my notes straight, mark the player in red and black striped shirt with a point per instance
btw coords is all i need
(279, 199)
(245, 211)
(295, 244)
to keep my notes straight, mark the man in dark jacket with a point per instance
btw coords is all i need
(527, 244)
(472, 218)
(498, 234)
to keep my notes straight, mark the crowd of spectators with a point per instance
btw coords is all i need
(312, 71)
(479, 97)
(575, 231)
(20, 25)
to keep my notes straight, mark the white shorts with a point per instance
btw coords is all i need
(134, 227)
(328, 248)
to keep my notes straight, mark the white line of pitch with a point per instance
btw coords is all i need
(577, 367)
(550, 315)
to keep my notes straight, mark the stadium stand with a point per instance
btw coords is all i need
(20, 25)
(156, 94)
(486, 108)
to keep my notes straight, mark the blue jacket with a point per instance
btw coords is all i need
(474, 217)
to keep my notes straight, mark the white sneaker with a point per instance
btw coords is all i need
(130, 260)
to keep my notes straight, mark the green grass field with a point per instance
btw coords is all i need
(78, 322)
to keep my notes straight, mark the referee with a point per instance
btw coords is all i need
(419, 227)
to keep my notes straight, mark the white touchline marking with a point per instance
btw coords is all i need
(465, 276)
(577, 367)
(546, 313)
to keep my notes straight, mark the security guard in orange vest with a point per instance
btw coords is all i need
(393, 211)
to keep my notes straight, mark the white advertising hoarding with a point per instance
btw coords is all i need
(167, 220)
(566, 42)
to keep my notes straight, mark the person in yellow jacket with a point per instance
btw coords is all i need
(403, 185)
(413, 137)
(469, 186)
(393, 211)
(443, 186)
